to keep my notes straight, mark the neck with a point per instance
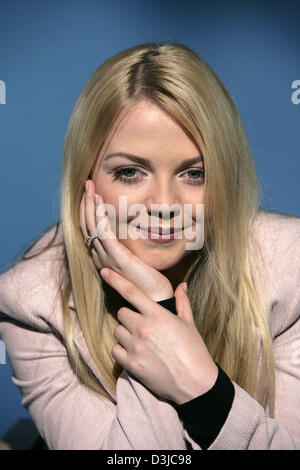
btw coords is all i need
(177, 273)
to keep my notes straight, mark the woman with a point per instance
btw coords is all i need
(132, 361)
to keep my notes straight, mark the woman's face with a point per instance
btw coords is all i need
(149, 133)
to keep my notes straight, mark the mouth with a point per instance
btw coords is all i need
(160, 230)
(158, 234)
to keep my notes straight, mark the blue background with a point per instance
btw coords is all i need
(48, 51)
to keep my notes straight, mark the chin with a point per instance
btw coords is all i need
(158, 261)
(158, 257)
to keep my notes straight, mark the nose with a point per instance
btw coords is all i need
(163, 202)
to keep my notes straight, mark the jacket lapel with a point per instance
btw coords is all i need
(82, 346)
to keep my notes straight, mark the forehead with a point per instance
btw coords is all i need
(144, 129)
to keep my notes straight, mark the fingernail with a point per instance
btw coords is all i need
(96, 199)
(87, 186)
(185, 286)
(104, 272)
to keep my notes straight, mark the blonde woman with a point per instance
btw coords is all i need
(131, 360)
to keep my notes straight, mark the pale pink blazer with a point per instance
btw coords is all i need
(69, 415)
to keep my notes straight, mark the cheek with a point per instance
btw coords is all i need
(118, 205)
(194, 211)
(110, 197)
(103, 188)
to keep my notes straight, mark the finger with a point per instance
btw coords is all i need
(99, 254)
(124, 337)
(97, 259)
(88, 221)
(131, 292)
(82, 218)
(89, 209)
(119, 256)
(129, 319)
(183, 306)
(103, 226)
(120, 355)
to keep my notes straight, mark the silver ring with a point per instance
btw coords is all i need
(88, 240)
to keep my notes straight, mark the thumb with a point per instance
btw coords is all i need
(183, 306)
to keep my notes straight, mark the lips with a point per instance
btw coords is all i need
(161, 230)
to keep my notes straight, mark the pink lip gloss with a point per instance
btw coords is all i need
(158, 238)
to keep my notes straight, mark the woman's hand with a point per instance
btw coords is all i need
(164, 351)
(109, 252)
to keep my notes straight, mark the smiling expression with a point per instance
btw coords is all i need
(150, 159)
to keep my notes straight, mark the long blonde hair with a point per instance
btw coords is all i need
(227, 309)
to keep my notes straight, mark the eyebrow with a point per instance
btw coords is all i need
(147, 163)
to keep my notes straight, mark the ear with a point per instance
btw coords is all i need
(183, 306)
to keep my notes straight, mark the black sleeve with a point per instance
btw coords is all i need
(169, 304)
(203, 416)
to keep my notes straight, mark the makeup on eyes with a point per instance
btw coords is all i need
(119, 175)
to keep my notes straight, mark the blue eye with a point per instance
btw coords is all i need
(121, 175)
(118, 175)
(197, 181)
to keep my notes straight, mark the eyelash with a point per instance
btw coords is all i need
(118, 176)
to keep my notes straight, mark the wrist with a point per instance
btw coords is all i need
(159, 296)
(197, 388)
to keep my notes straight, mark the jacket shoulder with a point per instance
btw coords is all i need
(278, 237)
(29, 289)
(277, 224)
